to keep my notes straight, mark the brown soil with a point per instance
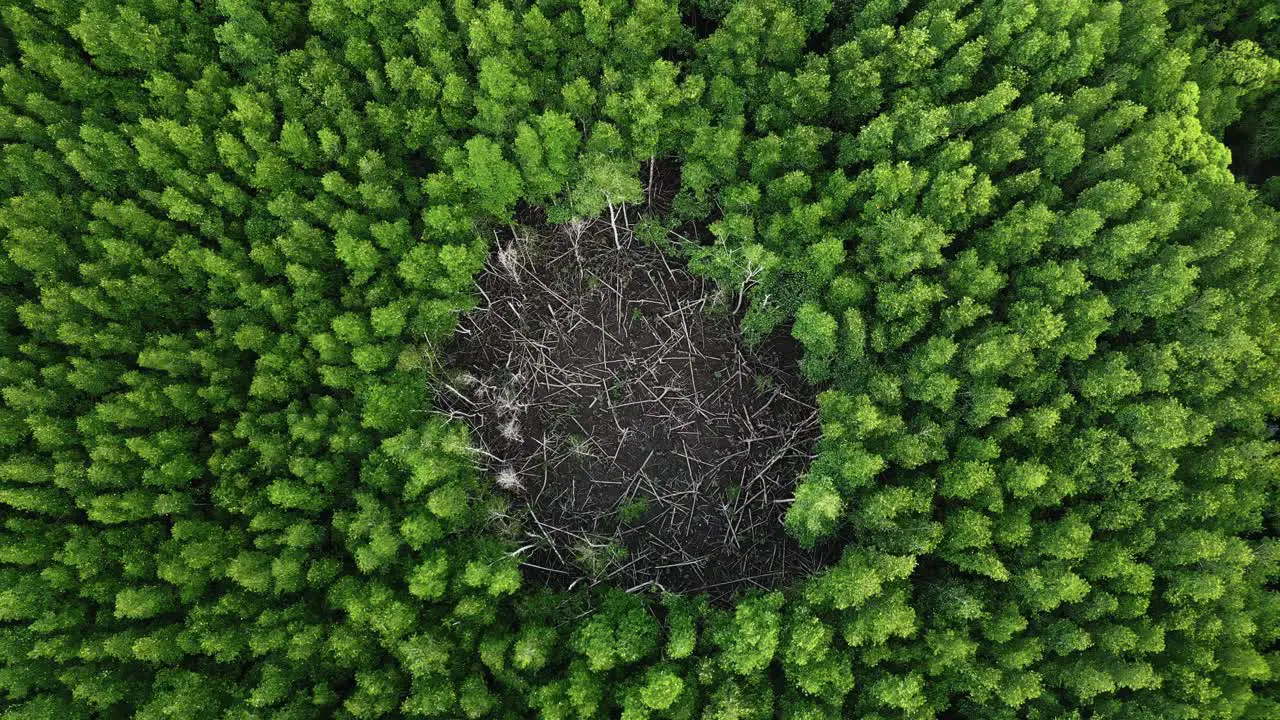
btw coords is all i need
(642, 443)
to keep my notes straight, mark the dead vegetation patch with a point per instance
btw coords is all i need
(641, 442)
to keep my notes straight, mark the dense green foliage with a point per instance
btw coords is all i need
(1042, 309)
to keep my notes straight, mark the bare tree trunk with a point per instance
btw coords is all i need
(613, 223)
(648, 190)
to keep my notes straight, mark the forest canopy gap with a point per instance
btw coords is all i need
(641, 441)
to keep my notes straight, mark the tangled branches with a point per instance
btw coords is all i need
(643, 443)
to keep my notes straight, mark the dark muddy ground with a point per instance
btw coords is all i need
(643, 444)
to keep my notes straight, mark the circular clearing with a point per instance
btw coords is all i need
(641, 441)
